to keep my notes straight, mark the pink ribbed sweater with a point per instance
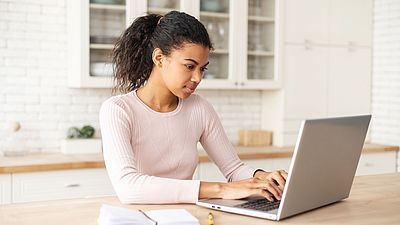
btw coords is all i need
(151, 156)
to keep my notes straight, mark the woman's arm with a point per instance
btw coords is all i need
(241, 181)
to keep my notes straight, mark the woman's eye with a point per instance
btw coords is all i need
(190, 67)
(204, 69)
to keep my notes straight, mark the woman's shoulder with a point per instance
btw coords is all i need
(199, 103)
(121, 101)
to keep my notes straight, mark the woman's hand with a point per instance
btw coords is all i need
(268, 185)
(252, 186)
(278, 177)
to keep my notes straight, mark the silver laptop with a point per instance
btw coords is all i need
(321, 172)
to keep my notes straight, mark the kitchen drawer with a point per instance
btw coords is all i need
(62, 184)
(5, 188)
(377, 163)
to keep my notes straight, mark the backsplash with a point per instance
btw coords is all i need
(33, 78)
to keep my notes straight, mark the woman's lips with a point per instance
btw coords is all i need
(190, 89)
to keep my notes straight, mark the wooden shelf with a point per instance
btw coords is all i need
(260, 53)
(161, 11)
(108, 7)
(101, 46)
(261, 19)
(214, 14)
(220, 51)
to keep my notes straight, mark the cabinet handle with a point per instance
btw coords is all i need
(351, 47)
(72, 185)
(368, 164)
(236, 83)
(307, 44)
(242, 83)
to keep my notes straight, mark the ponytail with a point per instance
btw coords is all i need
(132, 54)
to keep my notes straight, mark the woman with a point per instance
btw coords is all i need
(150, 134)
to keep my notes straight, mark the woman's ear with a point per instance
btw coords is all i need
(157, 57)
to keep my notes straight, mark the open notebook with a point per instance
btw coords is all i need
(112, 215)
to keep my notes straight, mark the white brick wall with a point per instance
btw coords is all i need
(33, 77)
(386, 73)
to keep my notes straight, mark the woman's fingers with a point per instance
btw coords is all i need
(284, 174)
(266, 185)
(280, 179)
(263, 193)
(274, 189)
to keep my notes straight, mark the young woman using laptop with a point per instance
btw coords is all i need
(150, 133)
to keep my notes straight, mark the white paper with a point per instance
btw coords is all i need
(172, 216)
(111, 215)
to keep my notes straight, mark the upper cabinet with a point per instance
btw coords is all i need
(337, 22)
(245, 36)
(301, 25)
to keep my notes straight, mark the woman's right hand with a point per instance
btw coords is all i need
(241, 189)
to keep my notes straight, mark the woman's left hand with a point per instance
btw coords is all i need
(278, 177)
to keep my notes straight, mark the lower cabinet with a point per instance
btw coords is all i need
(5, 188)
(61, 184)
(369, 164)
(377, 163)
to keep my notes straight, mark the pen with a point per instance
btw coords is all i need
(210, 219)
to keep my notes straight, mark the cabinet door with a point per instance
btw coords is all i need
(305, 81)
(306, 20)
(377, 163)
(262, 46)
(5, 188)
(349, 90)
(224, 30)
(64, 184)
(351, 22)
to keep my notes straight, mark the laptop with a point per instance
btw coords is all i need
(321, 172)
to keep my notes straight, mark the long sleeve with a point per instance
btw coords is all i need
(132, 186)
(220, 149)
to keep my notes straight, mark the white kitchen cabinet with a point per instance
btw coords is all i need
(306, 21)
(350, 22)
(5, 188)
(326, 65)
(377, 163)
(332, 22)
(62, 184)
(245, 35)
(349, 79)
(305, 83)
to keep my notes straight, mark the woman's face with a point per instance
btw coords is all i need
(184, 68)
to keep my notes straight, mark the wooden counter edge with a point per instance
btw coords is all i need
(243, 155)
(51, 167)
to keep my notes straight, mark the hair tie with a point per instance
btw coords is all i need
(159, 20)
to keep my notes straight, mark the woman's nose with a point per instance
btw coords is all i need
(196, 77)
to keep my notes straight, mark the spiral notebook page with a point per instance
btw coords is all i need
(112, 215)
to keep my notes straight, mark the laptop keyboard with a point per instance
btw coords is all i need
(260, 204)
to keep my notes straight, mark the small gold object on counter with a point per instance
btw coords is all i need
(255, 137)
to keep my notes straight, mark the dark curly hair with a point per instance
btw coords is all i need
(132, 53)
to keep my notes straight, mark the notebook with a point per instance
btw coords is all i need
(112, 215)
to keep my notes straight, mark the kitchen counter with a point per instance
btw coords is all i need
(59, 161)
(373, 200)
